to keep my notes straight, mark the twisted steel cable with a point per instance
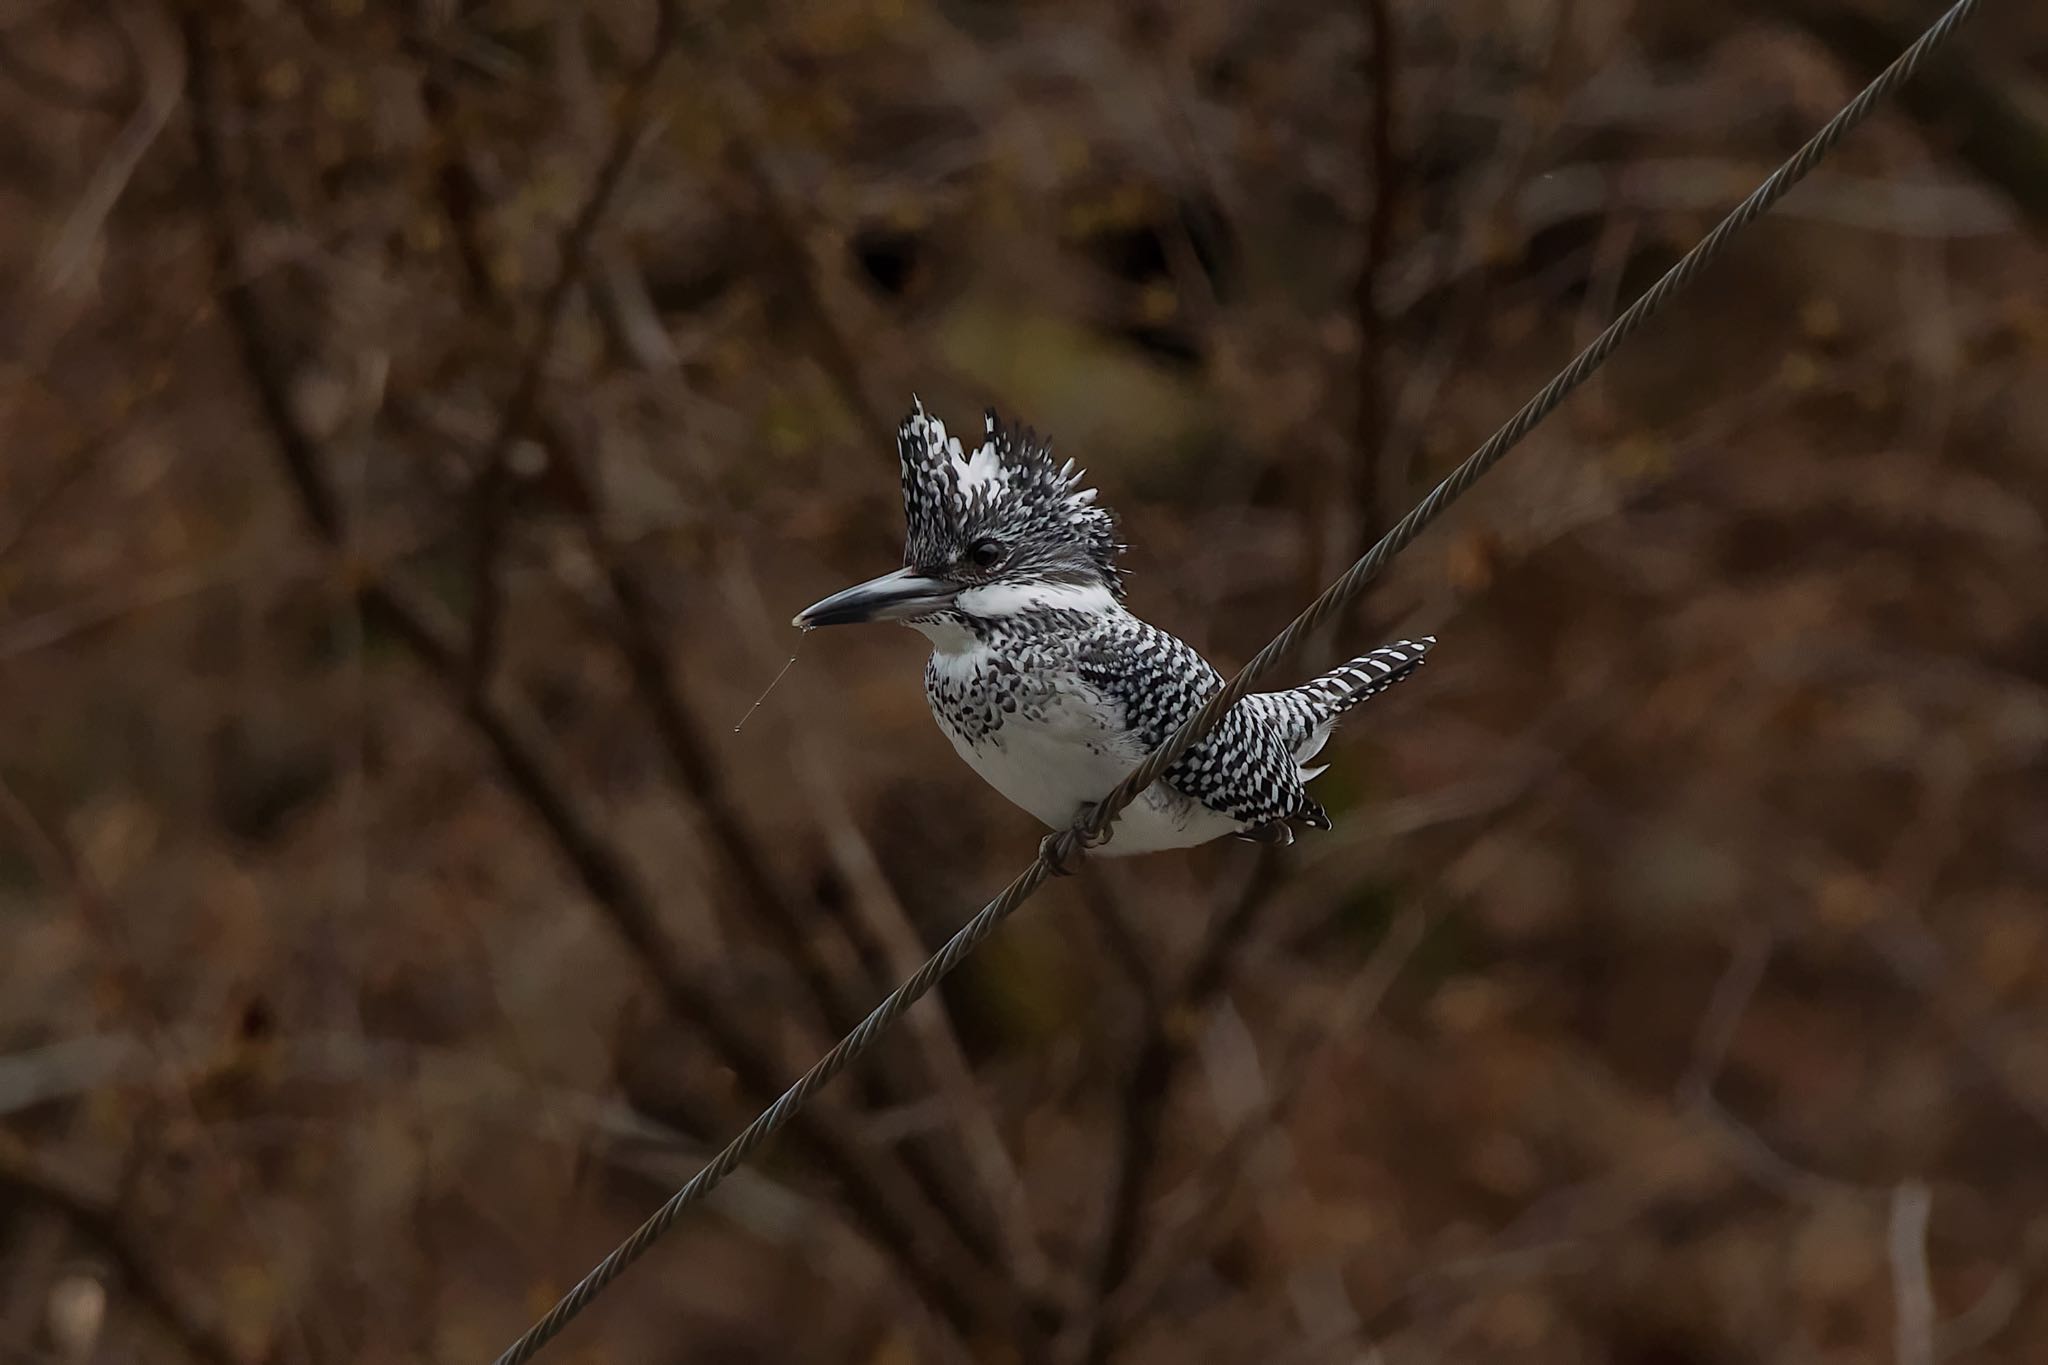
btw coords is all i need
(1060, 848)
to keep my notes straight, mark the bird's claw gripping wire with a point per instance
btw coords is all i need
(1049, 851)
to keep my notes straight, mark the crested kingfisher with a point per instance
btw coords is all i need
(1049, 687)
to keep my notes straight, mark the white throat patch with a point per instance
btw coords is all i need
(947, 636)
(994, 601)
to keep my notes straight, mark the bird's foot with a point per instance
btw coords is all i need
(1049, 851)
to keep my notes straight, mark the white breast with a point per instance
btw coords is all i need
(1071, 752)
(1050, 766)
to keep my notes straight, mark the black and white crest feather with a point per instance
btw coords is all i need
(1008, 488)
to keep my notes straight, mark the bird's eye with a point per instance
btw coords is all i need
(985, 553)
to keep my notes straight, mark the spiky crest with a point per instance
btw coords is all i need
(1007, 488)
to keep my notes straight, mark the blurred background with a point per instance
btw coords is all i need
(421, 421)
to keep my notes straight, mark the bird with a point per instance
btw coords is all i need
(1046, 683)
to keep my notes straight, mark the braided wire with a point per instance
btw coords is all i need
(1354, 579)
(1060, 848)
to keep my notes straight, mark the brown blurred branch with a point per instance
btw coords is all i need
(879, 926)
(30, 1180)
(493, 481)
(1984, 110)
(1913, 1314)
(837, 352)
(902, 951)
(1365, 479)
(490, 507)
(1374, 493)
(1148, 1090)
(1169, 1040)
(455, 181)
(639, 637)
(1746, 1147)
(887, 1208)
(30, 509)
(638, 630)
(151, 42)
(1220, 1193)
(61, 867)
(1121, 940)
(116, 99)
(1732, 994)
(58, 865)
(828, 968)
(1918, 963)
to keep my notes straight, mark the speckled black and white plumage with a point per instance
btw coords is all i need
(1007, 488)
(1052, 691)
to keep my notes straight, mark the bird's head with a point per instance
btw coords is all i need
(993, 533)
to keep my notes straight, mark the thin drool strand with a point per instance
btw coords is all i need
(782, 673)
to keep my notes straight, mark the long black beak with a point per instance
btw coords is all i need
(892, 597)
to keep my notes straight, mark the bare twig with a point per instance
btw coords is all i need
(1987, 1317)
(163, 78)
(877, 1194)
(869, 1186)
(638, 629)
(30, 509)
(62, 869)
(1995, 114)
(1148, 1090)
(1912, 1292)
(494, 476)
(883, 928)
(1748, 1148)
(116, 98)
(1122, 941)
(455, 182)
(1917, 961)
(1373, 493)
(932, 1029)
(196, 1334)
(73, 619)
(490, 507)
(831, 976)
(1727, 1005)
(836, 351)
(1216, 1197)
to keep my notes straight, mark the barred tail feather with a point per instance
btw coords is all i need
(1351, 683)
(1315, 706)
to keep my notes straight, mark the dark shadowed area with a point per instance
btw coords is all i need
(419, 420)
